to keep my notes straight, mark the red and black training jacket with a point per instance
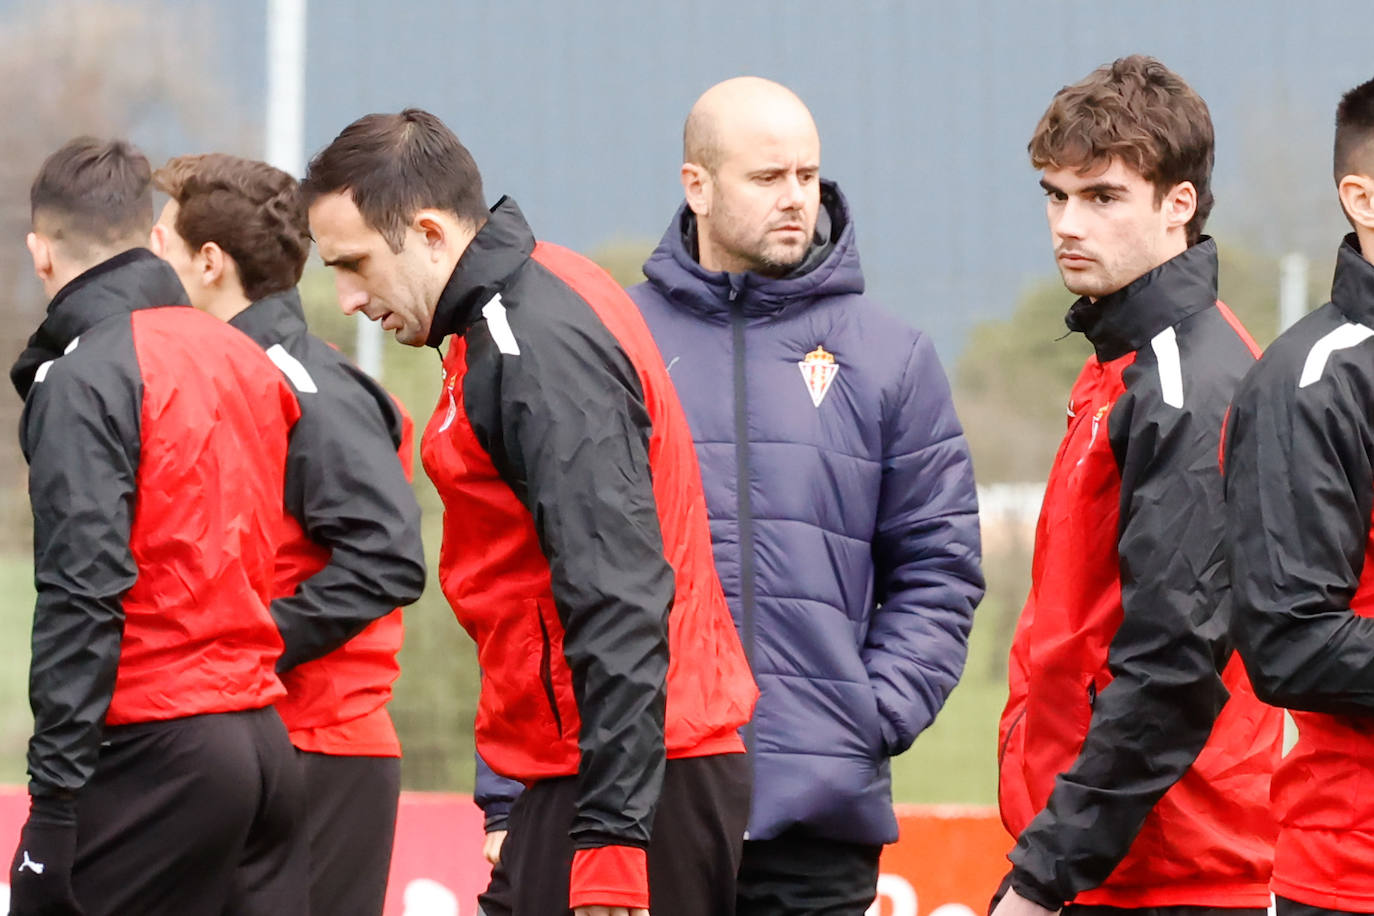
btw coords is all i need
(576, 550)
(1299, 493)
(156, 440)
(350, 551)
(1135, 759)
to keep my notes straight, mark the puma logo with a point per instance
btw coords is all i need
(30, 864)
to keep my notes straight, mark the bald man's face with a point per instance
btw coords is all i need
(757, 209)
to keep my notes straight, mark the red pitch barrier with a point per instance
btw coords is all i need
(946, 863)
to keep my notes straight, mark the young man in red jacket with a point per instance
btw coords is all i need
(1299, 494)
(576, 550)
(235, 231)
(1135, 759)
(161, 778)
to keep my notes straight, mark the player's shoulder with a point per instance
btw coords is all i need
(1323, 349)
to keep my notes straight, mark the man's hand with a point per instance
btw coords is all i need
(491, 846)
(608, 911)
(1013, 904)
(41, 873)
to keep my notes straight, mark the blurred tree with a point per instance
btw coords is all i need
(624, 259)
(69, 67)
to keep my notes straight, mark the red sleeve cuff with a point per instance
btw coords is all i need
(609, 876)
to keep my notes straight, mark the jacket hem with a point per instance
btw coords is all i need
(1229, 896)
(1323, 898)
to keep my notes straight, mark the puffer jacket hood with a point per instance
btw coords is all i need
(674, 271)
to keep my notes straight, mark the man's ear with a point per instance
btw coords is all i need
(40, 248)
(1180, 205)
(213, 266)
(697, 187)
(157, 240)
(1357, 197)
(434, 230)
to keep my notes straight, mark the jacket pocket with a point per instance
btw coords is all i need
(546, 668)
(1011, 732)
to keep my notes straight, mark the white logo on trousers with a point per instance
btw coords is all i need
(30, 864)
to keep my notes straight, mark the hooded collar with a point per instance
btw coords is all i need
(273, 318)
(831, 268)
(135, 279)
(1352, 288)
(498, 250)
(1124, 321)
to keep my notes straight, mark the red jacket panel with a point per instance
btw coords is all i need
(198, 637)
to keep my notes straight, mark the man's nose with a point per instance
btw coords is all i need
(352, 298)
(1067, 222)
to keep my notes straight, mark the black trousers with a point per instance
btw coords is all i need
(1285, 907)
(350, 816)
(198, 816)
(796, 874)
(693, 857)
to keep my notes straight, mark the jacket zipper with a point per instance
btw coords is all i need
(746, 522)
(546, 671)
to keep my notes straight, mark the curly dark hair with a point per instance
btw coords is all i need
(1141, 112)
(251, 210)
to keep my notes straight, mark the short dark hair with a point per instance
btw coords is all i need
(394, 165)
(93, 194)
(1354, 152)
(1141, 112)
(248, 208)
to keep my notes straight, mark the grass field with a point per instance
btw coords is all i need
(16, 616)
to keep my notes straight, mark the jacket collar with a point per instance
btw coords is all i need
(135, 279)
(273, 318)
(831, 268)
(500, 248)
(1352, 288)
(1124, 321)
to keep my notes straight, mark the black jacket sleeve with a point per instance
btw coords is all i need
(80, 435)
(347, 488)
(1152, 720)
(1299, 489)
(566, 424)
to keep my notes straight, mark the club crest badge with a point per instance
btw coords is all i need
(818, 370)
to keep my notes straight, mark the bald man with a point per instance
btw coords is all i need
(839, 486)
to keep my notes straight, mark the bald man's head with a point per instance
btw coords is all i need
(739, 106)
(751, 175)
